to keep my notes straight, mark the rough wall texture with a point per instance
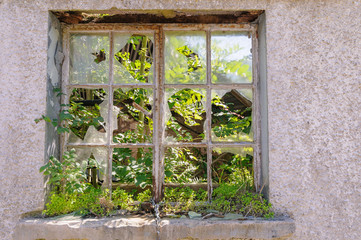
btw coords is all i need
(314, 97)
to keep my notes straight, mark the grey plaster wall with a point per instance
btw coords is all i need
(314, 92)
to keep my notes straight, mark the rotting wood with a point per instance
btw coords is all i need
(219, 17)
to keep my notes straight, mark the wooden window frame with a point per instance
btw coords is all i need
(159, 87)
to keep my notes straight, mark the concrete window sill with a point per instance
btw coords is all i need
(134, 228)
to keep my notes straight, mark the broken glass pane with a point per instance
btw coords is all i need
(185, 57)
(185, 115)
(185, 165)
(133, 166)
(233, 166)
(133, 61)
(134, 119)
(89, 58)
(232, 115)
(87, 115)
(231, 57)
(93, 160)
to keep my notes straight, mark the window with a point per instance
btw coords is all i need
(163, 105)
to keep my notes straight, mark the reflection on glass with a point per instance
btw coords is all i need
(185, 57)
(133, 166)
(185, 115)
(233, 165)
(232, 115)
(185, 165)
(133, 122)
(133, 61)
(89, 58)
(87, 115)
(231, 57)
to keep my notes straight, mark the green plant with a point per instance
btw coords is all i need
(102, 207)
(235, 198)
(60, 203)
(91, 201)
(144, 196)
(182, 198)
(231, 120)
(122, 199)
(66, 176)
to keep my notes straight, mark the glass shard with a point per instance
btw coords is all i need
(93, 158)
(88, 115)
(185, 115)
(89, 58)
(134, 121)
(232, 115)
(133, 61)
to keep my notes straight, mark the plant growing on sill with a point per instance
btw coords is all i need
(72, 191)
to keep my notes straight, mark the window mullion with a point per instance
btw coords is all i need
(65, 96)
(209, 115)
(256, 112)
(158, 128)
(109, 126)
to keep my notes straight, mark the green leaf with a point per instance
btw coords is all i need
(42, 168)
(61, 130)
(46, 118)
(139, 179)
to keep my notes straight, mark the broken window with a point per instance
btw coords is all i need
(163, 105)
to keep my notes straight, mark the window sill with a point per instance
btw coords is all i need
(69, 227)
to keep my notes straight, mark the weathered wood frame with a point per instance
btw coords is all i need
(159, 87)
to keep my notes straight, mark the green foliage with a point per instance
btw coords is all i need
(66, 176)
(122, 199)
(182, 165)
(193, 60)
(235, 198)
(233, 169)
(145, 196)
(130, 169)
(78, 118)
(60, 203)
(236, 67)
(90, 202)
(229, 121)
(184, 59)
(188, 104)
(138, 68)
(181, 199)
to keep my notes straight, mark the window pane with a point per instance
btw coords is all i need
(185, 57)
(89, 58)
(232, 115)
(133, 117)
(233, 165)
(231, 57)
(133, 62)
(185, 115)
(93, 161)
(88, 115)
(185, 165)
(132, 166)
